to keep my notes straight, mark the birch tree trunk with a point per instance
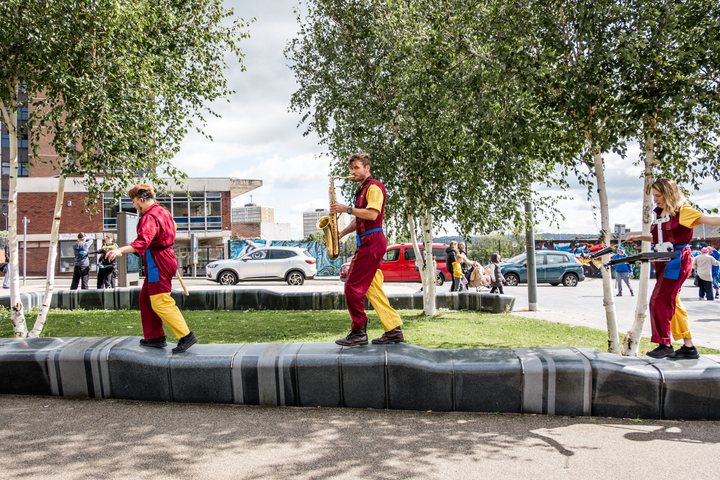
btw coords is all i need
(426, 223)
(631, 343)
(422, 266)
(608, 303)
(9, 113)
(52, 258)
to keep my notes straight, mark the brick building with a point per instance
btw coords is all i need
(206, 213)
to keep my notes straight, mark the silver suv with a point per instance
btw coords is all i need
(292, 264)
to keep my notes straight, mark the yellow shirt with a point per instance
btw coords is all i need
(374, 198)
(689, 216)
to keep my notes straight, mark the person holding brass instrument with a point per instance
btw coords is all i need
(365, 275)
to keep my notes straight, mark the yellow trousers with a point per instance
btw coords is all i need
(388, 316)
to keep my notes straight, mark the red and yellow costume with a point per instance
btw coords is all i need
(155, 237)
(365, 275)
(667, 313)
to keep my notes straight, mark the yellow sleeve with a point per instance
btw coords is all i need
(689, 216)
(374, 198)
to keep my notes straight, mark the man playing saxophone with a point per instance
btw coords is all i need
(365, 275)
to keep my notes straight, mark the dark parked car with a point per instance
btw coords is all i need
(552, 267)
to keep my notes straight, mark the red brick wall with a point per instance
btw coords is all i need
(246, 230)
(227, 212)
(40, 207)
(37, 258)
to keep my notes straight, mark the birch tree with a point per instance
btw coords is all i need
(115, 85)
(371, 79)
(563, 52)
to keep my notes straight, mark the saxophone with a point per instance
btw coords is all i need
(328, 224)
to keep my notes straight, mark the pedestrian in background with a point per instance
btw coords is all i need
(703, 264)
(622, 272)
(107, 269)
(6, 267)
(715, 270)
(496, 277)
(81, 272)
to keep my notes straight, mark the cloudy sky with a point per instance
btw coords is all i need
(258, 138)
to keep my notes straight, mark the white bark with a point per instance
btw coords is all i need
(631, 343)
(608, 302)
(9, 113)
(422, 266)
(52, 258)
(426, 223)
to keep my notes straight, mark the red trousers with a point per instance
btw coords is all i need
(663, 301)
(365, 278)
(156, 303)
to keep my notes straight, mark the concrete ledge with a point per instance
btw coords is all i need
(553, 381)
(259, 299)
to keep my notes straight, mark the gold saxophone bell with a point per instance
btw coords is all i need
(328, 224)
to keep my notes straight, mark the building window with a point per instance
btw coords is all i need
(203, 212)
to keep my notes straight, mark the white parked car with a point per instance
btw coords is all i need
(292, 264)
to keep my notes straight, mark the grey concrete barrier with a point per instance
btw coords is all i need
(553, 381)
(259, 299)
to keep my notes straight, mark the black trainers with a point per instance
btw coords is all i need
(662, 351)
(153, 342)
(686, 352)
(185, 342)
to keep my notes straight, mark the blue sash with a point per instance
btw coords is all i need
(367, 233)
(672, 269)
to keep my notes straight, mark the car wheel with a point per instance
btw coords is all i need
(554, 284)
(512, 280)
(440, 280)
(227, 278)
(295, 278)
(570, 280)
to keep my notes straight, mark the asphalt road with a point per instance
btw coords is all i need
(61, 438)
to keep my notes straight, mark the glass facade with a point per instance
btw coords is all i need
(202, 211)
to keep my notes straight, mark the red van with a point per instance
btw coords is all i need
(399, 264)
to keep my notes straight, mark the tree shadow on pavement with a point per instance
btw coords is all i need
(51, 437)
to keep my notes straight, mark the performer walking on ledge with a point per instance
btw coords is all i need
(155, 238)
(365, 275)
(675, 219)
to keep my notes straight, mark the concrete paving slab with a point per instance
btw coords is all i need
(69, 439)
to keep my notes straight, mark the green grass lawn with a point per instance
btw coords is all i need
(450, 329)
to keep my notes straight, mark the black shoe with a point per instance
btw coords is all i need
(185, 342)
(393, 336)
(686, 352)
(632, 294)
(358, 337)
(662, 351)
(619, 294)
(153, 342)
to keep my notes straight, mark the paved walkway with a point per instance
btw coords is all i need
(63, 438)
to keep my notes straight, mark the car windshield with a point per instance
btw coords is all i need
(308, 254)
(516, 259)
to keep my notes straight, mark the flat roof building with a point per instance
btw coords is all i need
(310, 220)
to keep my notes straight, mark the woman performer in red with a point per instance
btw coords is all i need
(674, 224)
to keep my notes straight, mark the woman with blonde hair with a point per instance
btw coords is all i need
(673, 225)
